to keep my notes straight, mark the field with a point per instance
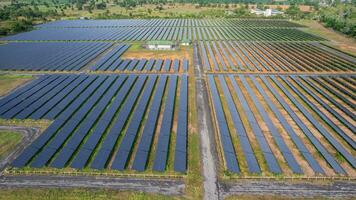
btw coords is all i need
(49, 56)
(8, 82)
(281, 103)
(271, 142)
(176, 29)
(8, 141)
(273, 57)
(337, 40)
(13, 194)
(88, 120)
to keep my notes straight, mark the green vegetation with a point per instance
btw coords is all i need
(8, 141)
(74, 194)
(11, 81)
(340, 18)
(41, 124)
(18, 17)
(194, 187)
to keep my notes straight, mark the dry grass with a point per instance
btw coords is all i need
(8, 141)
(9, 82)
(337, 40)
(137, 51)
(74, 194)
(41, 124)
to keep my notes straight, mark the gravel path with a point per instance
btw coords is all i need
(206, 132)
(165, 187)
(29, 135)
(335, 189)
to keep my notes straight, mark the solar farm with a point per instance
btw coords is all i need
(90, 113)
(273, 57)
(276, 111)
(281, 100)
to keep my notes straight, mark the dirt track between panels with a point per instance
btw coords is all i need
(165, 187)
(335, 189)
(206, 133)
(29, 135)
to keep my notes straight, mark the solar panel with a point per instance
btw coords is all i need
(112, 136)
(271, 161)
(230, 158)
(322, 130)
(349, 140)
(337, 168)
(49, 56)
(238, 125)
(165, 131)
(127, 142)
(276, 136)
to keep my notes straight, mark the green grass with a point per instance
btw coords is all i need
(194, 180)
(8, 141)
(11, 81)
(74, 194)
(136, 46)
(336, 39)
(41, 124)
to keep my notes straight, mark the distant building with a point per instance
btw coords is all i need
(161, 45)
(257, 11)
(267, 12)
(185, 42)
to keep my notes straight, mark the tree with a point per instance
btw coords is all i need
(101, 6)
(241, 12)
(294, 12)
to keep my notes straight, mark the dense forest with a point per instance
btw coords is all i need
(341, 17)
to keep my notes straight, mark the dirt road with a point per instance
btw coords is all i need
(165, 187)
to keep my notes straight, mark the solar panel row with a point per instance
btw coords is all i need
(180, 158)
(333, 101)
(145, 144)
(87, 124)
(268, 56)
(125, 149)
(161, 154)
(228, 148)
(248, 99)
(279, 140)
(335, 91)
(55, 56)
(165, 33)
(261, 139)
(314, 140)
(169, 22)
(99, 121)
(290, 131)
(113, 62)
(110, 58)
(336, 128)
(349, 158)
(240, 130)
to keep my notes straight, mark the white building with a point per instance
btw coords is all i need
(267, 12)
(161, 45)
